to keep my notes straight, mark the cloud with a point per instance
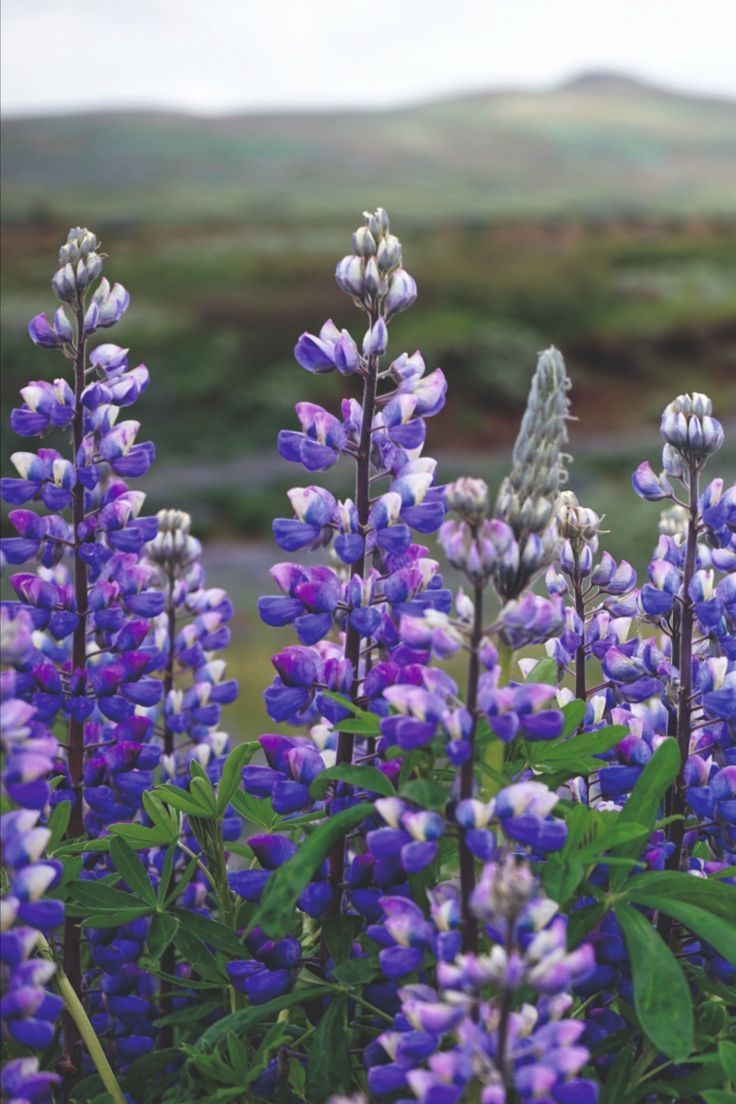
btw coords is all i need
(226, 55)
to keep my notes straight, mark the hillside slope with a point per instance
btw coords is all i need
(598, 144)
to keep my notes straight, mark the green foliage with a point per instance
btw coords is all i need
(661, 994)
(275, 912)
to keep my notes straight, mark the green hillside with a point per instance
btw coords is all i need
(598, 144)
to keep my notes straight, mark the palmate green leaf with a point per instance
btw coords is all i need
(573, 713)
(275, 913)
(357, 971)
(58, 824)
(618, 1078)
(242, 1021)
(184, 801)
(426, 793)
(162, 930)
(202, 790)
(273, 1040)
(365, 714)
(715, 929)
(231, 778)
(138, 836)
(328, 1068)
(101, 897)
(338, 933)
(210, 932)
(716, 897)
(545, 671)
(644, 801)
(661, 994)
(367, 778)
(131, 870)
(255, 810)
(195, 1012)
(585, 743)
(194, 952)
(727, 1055)
(113, 918)
(694, 1086)
(612, 837)
(150, 1066)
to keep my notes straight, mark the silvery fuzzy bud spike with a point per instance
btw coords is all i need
(468, 497)
(689, 429)
(372, 274)
(576, 523)
(79, 243)
(173, 547)
(528, 497)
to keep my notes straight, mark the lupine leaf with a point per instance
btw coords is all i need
(197, 955)
(367, 778)
(202, 790)
(716, 930)
(328, 1068)
(274, 1038)
(102, 897)
(645, 798)
(209, 931)
(339, 933)
(138, 836)
(231, 778)
(241, 1021)
(586, 743)
(113, 918)
(545, 671)
(727, 1055)
(58, 824)
(143, 1069)
(275, 913)
(197, 1011)
(360, 726)
(611, 837)
(356, 971)
(182, 800)
(131, 870)
(573, 713)
(618, 1078)
(425, 793)
(661, 994)
(716, 897)
(162, 930)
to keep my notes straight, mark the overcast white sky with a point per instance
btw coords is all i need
(225, 55)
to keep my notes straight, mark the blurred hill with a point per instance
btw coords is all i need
(598, 145)
(600, 216)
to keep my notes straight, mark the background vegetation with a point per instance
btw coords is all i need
(600, 217)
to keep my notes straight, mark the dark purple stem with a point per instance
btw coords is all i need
(467, 860)
(72, 955)
(346, 740)
(676, 830)
(168, 959)
(580, 687)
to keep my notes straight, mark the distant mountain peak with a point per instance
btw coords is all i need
(604, 80)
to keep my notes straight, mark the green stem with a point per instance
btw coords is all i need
(505, 660)
(76, 1011)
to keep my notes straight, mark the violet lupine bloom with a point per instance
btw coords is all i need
(90, 597)
(28, 1010)
(474, 1033)
(348, 616)
(22, 1082)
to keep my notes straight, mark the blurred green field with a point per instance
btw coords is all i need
(600, 217)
